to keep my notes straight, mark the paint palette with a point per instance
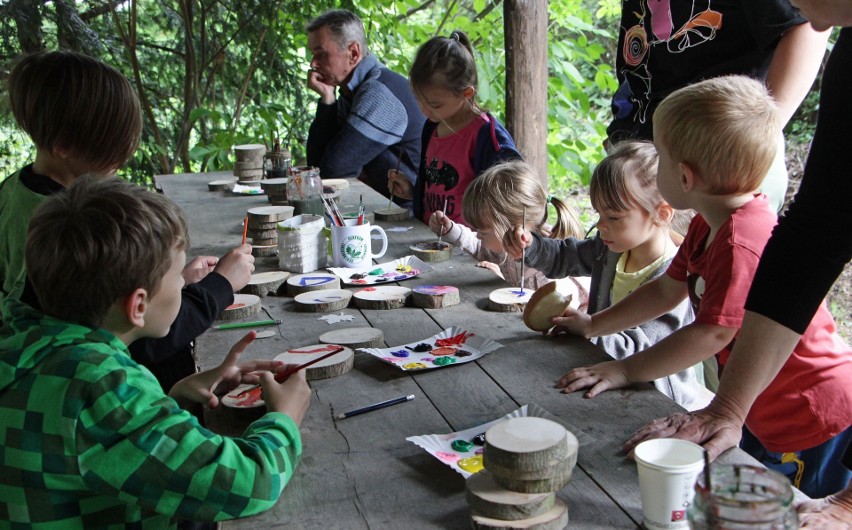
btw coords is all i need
(462, 450)
(394, 271)
(452, 346)
(240, 189)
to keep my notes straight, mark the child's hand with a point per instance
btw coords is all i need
(599, 377)
(398, 184)
(573, 322)
(516, 240)
(200, 387)
(440, 223)
(291, 397)
(236, 266)
(198, 268)
(493, 267)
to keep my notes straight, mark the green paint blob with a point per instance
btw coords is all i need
(376, 272)
(462, 446)
(443, 361)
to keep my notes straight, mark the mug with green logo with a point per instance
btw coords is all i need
(351, 244)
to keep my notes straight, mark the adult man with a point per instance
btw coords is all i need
(375, 124)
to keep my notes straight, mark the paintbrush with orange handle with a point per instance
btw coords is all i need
(279, 378)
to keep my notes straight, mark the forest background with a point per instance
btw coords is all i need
(212, 74)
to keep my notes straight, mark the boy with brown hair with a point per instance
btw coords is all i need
(716, 140)
(83, 117)
(89, 437)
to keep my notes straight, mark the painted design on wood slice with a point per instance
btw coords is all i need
(312, 281)
(323, 301)
(509, 299)
(381, 297)
(452, 346)
(245, 305)
(334, 366)
(264, 283)
(547, 302)
(354, 338)
(435, 296)
(432, 251)
(391, 214)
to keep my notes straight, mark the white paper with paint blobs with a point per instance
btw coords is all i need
(393, 271)
(454, 345)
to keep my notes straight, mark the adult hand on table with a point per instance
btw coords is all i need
(600, 377)
(290, 397)
(516, 240)
(317, 83)
(203, 386)
(198, 268)
(398, 184)
(236, 266)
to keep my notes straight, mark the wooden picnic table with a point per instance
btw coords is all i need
(360, 472)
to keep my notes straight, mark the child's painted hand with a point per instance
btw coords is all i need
(203, 386)
(236, 266)
(516, 240)
(597, 377)
(398, 184)
(198, 268)
(291, 397)
(440, 223)
(573, 322)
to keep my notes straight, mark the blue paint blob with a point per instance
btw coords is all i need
(399, 353)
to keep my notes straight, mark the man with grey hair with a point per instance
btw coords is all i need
(375, 123)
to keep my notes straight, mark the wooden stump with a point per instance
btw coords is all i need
(487, 499)
(435, 296)
(245, 305)
(432, 251)
(250, 153)
(264, 283)
(509, 299)
(221, 185)
(394, 213)
(547, 302)
(555, 518)
(355, 338)
(262, 216)
(312, 281)
(248, 175)
(381, 297)
(334, 366)
(323, 301)
(264, 251)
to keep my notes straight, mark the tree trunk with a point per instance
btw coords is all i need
(525, 29)
(27, 19)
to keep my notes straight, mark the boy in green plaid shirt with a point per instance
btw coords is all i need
(87, 436)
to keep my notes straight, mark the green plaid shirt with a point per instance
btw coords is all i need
(88, 439)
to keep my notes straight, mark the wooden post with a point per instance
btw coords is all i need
(525, 30)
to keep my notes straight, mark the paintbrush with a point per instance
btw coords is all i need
(523, 250)
(396, 171)
(441, 234)
(280, 378)
(245, 229)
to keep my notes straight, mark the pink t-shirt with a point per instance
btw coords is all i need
(810, 400)
(449, 169)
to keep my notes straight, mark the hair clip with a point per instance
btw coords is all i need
(549, 199)
(454, 35)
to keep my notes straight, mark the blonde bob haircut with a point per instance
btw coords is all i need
(725, 128)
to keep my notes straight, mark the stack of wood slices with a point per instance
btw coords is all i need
(249, 165)
(527, 460)
(261, 228)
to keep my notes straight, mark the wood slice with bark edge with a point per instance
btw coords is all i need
(248, 164)
(429, 252)
(263, 226)
(265, 242)
(487, 499)
(334, 366)
(323, 301)
(245, 305)
(269, 233)
(294, 287)
(265, 283)
(338, 184)
(560, 469)
(435, 296)
(249, 151)
(264, 251)
(275, 184)
(268, 214)
(391, 214)
(381, 297)
(248, 174)
(221, 185)
(505, 301)
(555, 518)
(528, 444)
(547, 302)
(355, 338)
(544, 485)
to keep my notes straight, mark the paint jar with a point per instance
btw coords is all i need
(743, 498)
(276, 162)
(304, 191)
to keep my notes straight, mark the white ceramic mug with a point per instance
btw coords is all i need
(351, 245)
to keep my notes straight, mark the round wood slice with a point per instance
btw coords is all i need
(431, 251)
(275, 184)
(559, 470)
(278, 201)
(264, 251)
(270, 233)
(257, 225)
(312, 281)
(435, 296)
(338, 184)
(245, 305)
(555, 518)
(323, 301)
(221, 185)
(528, 444)
(269, 214)
(487, 499)
(355, 337)
(248, 174)
(252, 182)
(249, 151)
(391, 214)
(547, 302)
(271, 242)
(264, 283)
(251, 164)
(509, 299)
(334, 366)
(381, 297)
(243, 398)
(545, 485)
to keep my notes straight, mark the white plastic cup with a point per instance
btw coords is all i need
(351, 245)
(668, 468)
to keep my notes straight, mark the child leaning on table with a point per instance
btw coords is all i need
(633, 246)
(83, 117)
(498, 200)
(716, 140)
(460, 140)
(96, 442)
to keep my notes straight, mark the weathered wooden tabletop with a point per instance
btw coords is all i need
(360, 472)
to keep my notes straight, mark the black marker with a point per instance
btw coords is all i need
(379, 405)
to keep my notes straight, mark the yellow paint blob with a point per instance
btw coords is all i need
(414, 366)
(471, 464)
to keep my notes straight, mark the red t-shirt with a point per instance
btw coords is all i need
(810, 400)
(449, 169)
